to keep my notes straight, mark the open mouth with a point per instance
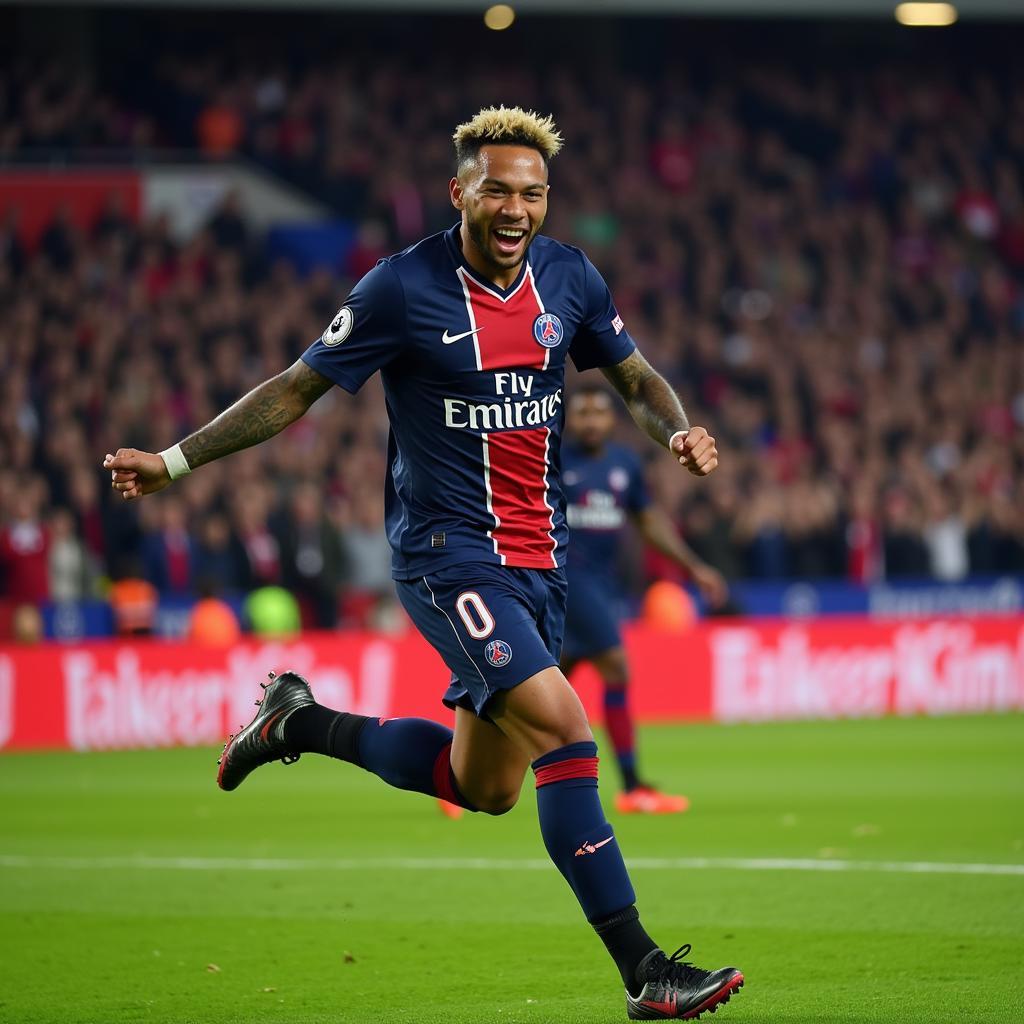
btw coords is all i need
(508, 240)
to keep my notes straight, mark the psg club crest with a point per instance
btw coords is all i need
(547, 329)
(618, 479)
(498, 653)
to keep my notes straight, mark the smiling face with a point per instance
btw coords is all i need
(503, 197)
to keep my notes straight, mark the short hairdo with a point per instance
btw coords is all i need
(592, 389)
(506, 126)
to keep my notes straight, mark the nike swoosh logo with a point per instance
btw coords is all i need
(449, 339)
(667, 1007)
(265, 731)
(592, 847)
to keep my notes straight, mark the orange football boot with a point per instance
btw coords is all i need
(648, 800)
(453, 811)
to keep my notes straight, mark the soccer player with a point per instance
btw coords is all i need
(604, 484)
(470, 330)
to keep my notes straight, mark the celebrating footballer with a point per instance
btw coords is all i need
(470, 330)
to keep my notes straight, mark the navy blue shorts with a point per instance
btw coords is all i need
(591, 616)
(494, 626)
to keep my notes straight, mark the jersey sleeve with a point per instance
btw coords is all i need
(637, 495)
(365, 334)
(601, 339)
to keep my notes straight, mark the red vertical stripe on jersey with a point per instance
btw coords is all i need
(518, 462)
(505, 324)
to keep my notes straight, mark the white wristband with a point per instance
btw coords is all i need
(175, 461)
(678, 433)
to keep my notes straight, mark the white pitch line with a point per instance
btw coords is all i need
(142, 863)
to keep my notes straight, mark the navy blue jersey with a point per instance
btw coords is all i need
(601, 491)
(473, 378)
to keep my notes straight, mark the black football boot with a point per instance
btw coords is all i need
(676, 990)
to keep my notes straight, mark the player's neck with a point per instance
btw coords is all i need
(501, 276)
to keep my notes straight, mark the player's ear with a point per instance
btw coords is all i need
(455, 191)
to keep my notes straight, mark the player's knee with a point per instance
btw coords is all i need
(497, 801)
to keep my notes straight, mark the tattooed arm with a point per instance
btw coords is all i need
(259, 415)
(656, 409)
(263, 412)
(651, 402)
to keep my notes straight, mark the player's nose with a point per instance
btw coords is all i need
(513, 207)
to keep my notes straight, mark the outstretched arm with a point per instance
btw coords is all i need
(257, 416)
(262, 413)
(656, 408)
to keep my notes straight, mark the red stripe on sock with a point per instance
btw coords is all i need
(573, 768)
(443, 777)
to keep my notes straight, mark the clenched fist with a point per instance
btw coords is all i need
(696, 451)
(136, 473)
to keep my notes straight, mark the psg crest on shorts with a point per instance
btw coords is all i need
(498, 653)
(547, 329)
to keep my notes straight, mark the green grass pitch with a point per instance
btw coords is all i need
(131, 889)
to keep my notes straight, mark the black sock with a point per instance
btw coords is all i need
(627, 942)
(315, 729)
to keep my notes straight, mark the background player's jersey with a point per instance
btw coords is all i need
(473, 378)
(601, 490)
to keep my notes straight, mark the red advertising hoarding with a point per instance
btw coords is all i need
(125, 694)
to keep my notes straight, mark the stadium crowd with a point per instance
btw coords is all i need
(830, 268)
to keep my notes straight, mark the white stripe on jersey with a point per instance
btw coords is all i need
(540, 306)
(472, 319)
(551, 508)
(489, 496)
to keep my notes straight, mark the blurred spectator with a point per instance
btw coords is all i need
(168, 550)
(260, 546)
(219, 557)
(312, 557)
(903, 543)
(227, 225)
(945, 537)
(219, 126)
(25, 546)
(367, 555)
(71, 569)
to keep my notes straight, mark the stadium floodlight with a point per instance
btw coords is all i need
(499, 17)
(925, 14)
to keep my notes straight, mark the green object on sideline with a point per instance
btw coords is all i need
(273, 612)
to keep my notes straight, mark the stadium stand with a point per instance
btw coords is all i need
(828, 264)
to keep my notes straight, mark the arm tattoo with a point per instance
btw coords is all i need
(260, 414)
(648, 396)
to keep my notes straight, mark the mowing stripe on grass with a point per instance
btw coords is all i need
(142, 863)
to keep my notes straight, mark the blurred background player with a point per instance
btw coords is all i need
(604, 486)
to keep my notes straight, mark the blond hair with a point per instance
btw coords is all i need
(506, 126)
